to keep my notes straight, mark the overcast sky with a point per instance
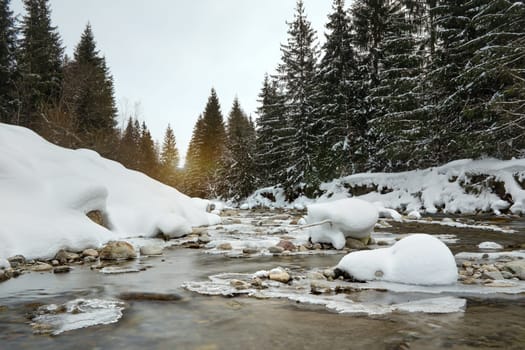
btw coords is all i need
(167, 54)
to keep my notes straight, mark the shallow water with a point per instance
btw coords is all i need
(202, 322)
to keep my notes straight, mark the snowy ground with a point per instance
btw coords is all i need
(463, 186)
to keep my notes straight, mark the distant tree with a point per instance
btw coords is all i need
(272, 129)
(148, 157)
(297, 73)
(194, 181)
(88, 90)
(7, 63)
(238, 178)
(128, 153)
(40, 59)
(169, 159)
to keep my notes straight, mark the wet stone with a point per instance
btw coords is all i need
(279, 275)
(354, 244)
(225, 246)
(118, 251)
(492, 275)
(239, 285)
(276, 250)
(90, 252)
(286, 245)
(62, 269)
(41, 267)
(16, 261)
(250, 251)
(143, 296)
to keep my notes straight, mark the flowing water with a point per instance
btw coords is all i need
(216, 322)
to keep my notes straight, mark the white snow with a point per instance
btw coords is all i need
(343, 218)
(490, 245)
(450, 188)
(414, 215)
(417, 259)
(47, 190)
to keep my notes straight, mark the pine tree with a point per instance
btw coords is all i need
(88, 90)
(129, 145)
(272, 129)
(40, 63)
(194, 181)
(340, 96)
(7, 63)
(398, 124)
(297, 72)
(169, 159)
(238, 178)
(148, 157)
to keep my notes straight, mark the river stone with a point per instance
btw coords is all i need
(142, 296)
(63, 256)
(279, 275)
(224, 246)
(250, 250)
(118, 251)
(353, 243)
(41, 266)
(276, 250)
(315, 276)
(204, 239)
(517, 267)
(62, 269)
(492, 275)
(90, 252)
(239, 285)
(5, 275)
(151, 249)
(286, 245)
(16, 261)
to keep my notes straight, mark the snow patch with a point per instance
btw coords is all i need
(490, 245)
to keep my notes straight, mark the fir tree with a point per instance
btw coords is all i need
(194, 180)
(148, 157)
(340, 94)
(297, 72)
(272, 129)
(7, 63)
(40, 63)
(129, 145)
(88, 90)
(169, 158)
(239, 177)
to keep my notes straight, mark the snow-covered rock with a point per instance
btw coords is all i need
(417, 259)
(343, 218)
(47, 191)
(490, 245)
(414, 215)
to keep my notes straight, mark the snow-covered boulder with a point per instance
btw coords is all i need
(417, 259)
(349, 217)
(46, 192)
(490, 245)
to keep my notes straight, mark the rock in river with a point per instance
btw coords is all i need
(151, 249)
(279, 275)
(517, 267)
(118, 251)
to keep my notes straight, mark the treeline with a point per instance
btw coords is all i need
(397, 85)
(70, 101)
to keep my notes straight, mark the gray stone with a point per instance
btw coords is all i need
(63, 256)
(353, 243)
(286, 245)
(41, 267)
(152, 249)
(5, 275)
(329, 273)
(62, 269)
(16, 261)
(55, 262)
(224, 246)
(250, 251)
(204, 239)
(517, 267)
(316, 276)
(118, 251)
(492, 275)
(279, 275)
(239, 285)
(90, 252)
(276, 250)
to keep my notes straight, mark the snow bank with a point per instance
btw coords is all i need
(417, 259)
(463, 186)
(348, 217)
(47, 190)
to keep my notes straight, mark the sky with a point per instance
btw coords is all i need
(166, 55)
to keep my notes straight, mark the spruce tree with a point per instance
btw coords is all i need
(40, 63)
(129, 145)
(340, 95)
(169, 158)
(148, 157)
(7, 63)
(272, 129)
(238, 178)
(297, 72)
(194, 179)
(88, 91)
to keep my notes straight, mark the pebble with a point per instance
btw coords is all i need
(239, 285)
(276, 250)
(90, 252)
(279, 275)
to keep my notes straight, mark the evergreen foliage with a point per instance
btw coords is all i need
(169, 159)
(7, 63)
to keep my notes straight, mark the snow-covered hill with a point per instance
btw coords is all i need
(463, 186)
(46, 192)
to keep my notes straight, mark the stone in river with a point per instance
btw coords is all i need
(16, 261)
(62, 269)
(118, 251)
(279, 275)
(517, 267)
(90, 252)
(276, 250)
(40, 267)
(286, 245)
(151, 249)
(225, 246)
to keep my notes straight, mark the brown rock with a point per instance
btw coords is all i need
(353, 243)
(97, 217)
(118, 251)
(90, 252)
(224, 246)
(276, 250)
(41, 267)
(279, 275)
(286, 245)
(62, 269)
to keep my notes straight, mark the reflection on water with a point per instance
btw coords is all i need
(200, 322)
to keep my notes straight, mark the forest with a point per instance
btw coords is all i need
(396, 85)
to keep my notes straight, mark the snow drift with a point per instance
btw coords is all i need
(348, 217)
(463, 186)
(417, 259)
(46, 192)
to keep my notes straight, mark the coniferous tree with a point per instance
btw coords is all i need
(88, 91)
(148, 157)
(238, 178)
(39, 60)
(272, 129)
(340, 95)
(194, 180)
(129, 145)
(297, 72)
(7, 63)
(169, 159)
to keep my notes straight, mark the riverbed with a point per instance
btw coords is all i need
(191, 320)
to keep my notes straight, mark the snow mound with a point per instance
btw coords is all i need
(48, 190)
(490, 245)
(343, 218)
(417, 259)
